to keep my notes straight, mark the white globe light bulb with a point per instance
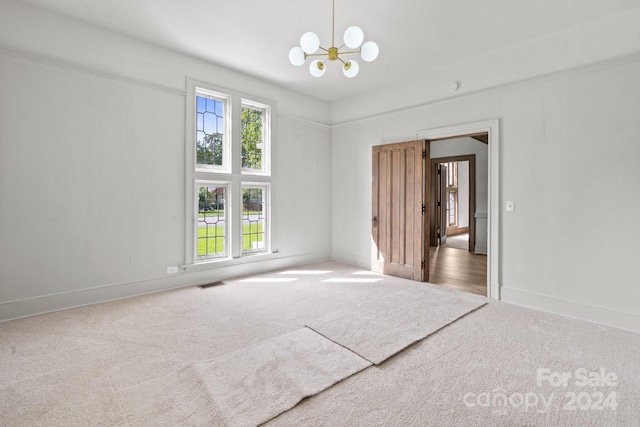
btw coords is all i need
(296, 56)
(317, 68)
(309, 42)
(351, 68)
(353, 37)
(369, 51)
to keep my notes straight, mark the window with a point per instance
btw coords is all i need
(212, 142)
(253, 218)
(254, 141)
(228, 174)
(212, 221)
(452, 192)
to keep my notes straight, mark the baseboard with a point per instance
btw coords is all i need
(60, 301)
(578, 310)
(481, 249)
(351, 260)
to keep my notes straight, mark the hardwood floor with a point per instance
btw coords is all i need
(458, 269)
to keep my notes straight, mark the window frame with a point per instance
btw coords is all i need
(228, 200)
(226, 136)
(265, 186)
(452, 190)
(266, 137)
(233, 175)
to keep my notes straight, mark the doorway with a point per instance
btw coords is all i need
(453, 201)
(383, 250)
(455, 263)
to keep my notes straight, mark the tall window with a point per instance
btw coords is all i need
(228, 171)
(212, 224)
(212, 139)
(252, 138)
(253, 218)
(452, 192)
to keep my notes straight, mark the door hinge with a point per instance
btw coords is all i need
(438, 203)
(439, 235)
(422, 264)
(439, 171)
(424, 208)
(424, 154)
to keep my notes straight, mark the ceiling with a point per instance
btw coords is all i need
(255, 36)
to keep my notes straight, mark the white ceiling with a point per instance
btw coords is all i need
(255, 36)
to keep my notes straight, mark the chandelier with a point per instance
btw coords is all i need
(353, 38)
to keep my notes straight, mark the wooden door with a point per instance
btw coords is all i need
(439, 212)
(400, 238)
(443, 205)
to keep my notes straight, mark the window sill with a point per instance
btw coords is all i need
(225, 262)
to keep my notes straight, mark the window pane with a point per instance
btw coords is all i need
(253, 219)
(252, 135)
(452, 209)
(209, 131)
(211, 228)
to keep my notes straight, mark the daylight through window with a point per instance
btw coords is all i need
(229, 171)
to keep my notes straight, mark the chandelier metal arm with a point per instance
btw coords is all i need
(349, 52)
(333, 23)
(306, 55)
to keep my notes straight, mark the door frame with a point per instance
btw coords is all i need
(492, 128)
(471, 158)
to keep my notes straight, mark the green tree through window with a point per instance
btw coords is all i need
(252, 132)
(209, 131)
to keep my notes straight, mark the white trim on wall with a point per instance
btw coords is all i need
(577, 310)
(68, 65)
(25, 307)
(84, 69)
(492, 127)
(574, 71)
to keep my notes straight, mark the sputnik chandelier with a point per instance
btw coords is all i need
(353, 38)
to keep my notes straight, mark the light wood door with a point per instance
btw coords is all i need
(439, 212)
(400, 239)
(443, 205)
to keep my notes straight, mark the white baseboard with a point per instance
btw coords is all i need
(481, 250)
(351, 259)
(59, 301)
(578, 310)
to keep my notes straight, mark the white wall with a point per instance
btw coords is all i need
(463, 146)
(569, 145)
(92, 178)
(74, 228)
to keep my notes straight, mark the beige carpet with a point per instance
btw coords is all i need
(378, 329)
(458, 375)
(143, 361)
(252, 386)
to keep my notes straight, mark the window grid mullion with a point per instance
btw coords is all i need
(212, 176)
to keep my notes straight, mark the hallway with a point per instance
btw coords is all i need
(458, 269)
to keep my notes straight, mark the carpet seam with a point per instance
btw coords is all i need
(326, 388)
(341, 345)
(428, 335)
(364, 358)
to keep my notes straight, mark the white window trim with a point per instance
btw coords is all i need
(234, 178)
(227, 137)
(266, 197)
(266, 138)
(228, 221)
